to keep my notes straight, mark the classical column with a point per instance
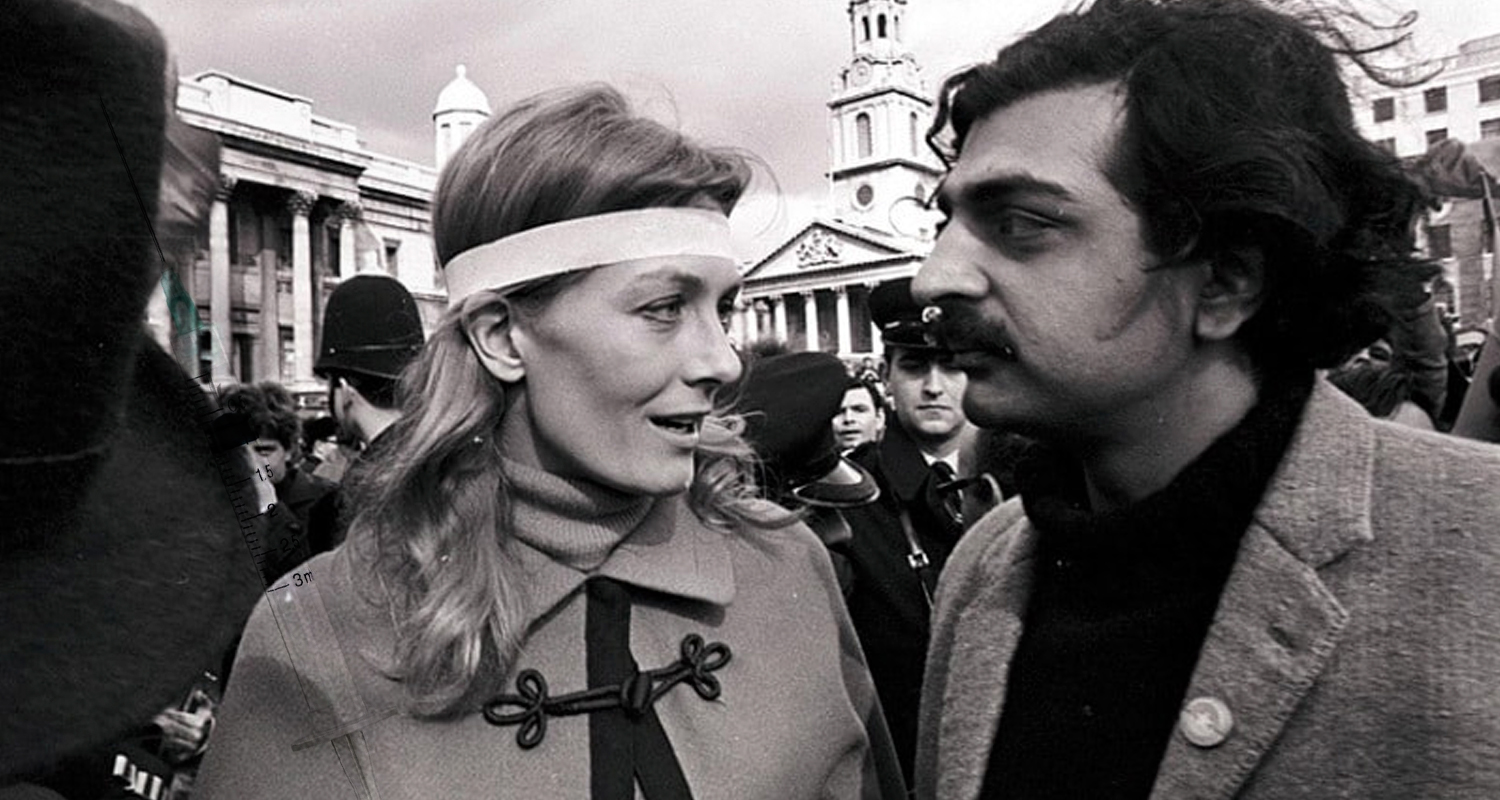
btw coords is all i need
(737, 327)
(810, 312)
(841, 307)
(349, 213)
(778, 317)
(752, 323)
(300, 204)
(877, 345)
(218, 277)
(268, 355)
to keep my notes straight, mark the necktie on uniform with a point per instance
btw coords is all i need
(945, 491)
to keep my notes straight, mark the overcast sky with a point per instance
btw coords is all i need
(752, 73)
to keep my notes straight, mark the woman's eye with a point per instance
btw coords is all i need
(666, 310)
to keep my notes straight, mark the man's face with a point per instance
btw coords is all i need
(927, 394)
(1043, 275)
(270, 453)
(859, 420)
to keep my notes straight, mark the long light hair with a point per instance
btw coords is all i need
(433, 512)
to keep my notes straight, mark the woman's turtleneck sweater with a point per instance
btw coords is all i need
(1121, 604)
(564, 531)
(577, 523)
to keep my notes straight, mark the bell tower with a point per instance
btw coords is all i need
(879, 115)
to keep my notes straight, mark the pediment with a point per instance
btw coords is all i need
(825, 244)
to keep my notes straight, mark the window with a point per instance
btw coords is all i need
(1489, 128)
(865, 21)
(287, 350)
(205, 355)
(1385, 109)
(392, 247)
(1388, 145)
(881, 28)
(1436, 135)
(862, 135)
(896, 24)
(1435, 100)
(243, 357)
(916, 134)
(1489, 89)
(864, 195)
(1439, 241)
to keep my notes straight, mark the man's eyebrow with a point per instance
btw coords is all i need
(1000, 187)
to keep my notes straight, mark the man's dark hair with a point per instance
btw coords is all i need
(876, 400)
(381, 392)
(265, 412)
(1237, 133)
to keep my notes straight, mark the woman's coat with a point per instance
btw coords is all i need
(309, 714)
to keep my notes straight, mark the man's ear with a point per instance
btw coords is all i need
(1233, 292)
(492, 334)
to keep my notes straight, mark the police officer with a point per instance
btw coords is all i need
(901, 542)
(371, 331)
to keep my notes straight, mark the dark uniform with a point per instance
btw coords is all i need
(900, 542)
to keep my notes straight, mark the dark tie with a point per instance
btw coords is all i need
(625, 743)
(946, 493)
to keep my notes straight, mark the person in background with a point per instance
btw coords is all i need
(122, 567)
(278, 432)
(372, 331)
(1223, 578)
(562, 583)
(1385, 390)
(901, 542)
(786, 401)
(861, 416)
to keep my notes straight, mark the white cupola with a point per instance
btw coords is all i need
(461, 107)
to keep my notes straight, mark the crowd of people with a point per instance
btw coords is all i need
(1099, 522)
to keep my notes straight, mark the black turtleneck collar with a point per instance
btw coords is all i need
(1119, 609)
(1171, 535)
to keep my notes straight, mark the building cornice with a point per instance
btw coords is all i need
(261, 141)
(876, 166)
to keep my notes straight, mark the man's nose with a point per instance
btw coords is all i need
(950, 269)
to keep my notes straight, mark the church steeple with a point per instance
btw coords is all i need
(879, 114)
(875, 26)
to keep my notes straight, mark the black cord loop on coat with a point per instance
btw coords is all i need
(634, 694)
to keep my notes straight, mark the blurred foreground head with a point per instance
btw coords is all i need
(122, 573)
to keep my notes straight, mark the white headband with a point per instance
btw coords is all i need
(587, 242)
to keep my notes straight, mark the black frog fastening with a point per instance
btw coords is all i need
(635, 694)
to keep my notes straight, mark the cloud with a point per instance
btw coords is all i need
(752, 75)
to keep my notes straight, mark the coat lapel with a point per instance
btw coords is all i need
(983, 640)
(1277, 624)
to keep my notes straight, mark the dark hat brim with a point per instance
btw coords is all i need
(385, 361)
(115, 604)
(847, 485)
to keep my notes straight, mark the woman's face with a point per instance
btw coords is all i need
(620, 371)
